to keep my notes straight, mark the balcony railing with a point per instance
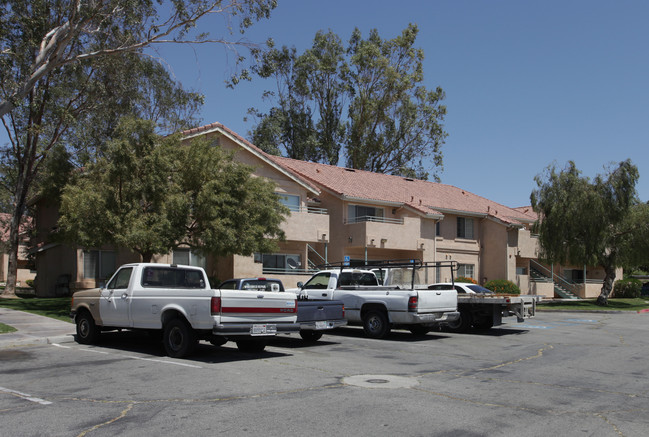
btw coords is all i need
(375, 219)
(308, 209)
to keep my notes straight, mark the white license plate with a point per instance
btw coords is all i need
(320, 325)
(263, 330)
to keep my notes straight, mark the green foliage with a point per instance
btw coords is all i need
(629, 288)
(56, 307)
(502, 286)
(598, 222)
(368, 96)
(466, 280)
(152, 194)
(30, 283)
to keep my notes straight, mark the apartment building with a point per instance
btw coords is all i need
(341, 214)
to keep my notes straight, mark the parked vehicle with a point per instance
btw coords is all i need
(379, 308)
(313, 316)
(177, 303)
(481, 309)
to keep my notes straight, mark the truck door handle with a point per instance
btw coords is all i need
(324, 294)
(260, 296)
(438, 293)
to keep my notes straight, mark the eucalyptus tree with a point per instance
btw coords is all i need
(151, 194)
(366, 101)
(68, 69)
(597, 222)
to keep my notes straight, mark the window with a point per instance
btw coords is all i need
(438, 227)
(521, 270)
(465, 228)
(356, 278)
(186, 257)
(279, 261)
(172, 277)
(318, 282)
(359, 213)
(99, 264)
(465, 270)
(291, 201)
(121, 280)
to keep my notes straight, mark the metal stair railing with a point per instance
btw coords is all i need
(562, 286)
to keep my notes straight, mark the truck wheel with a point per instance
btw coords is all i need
(179, 338)
(484, 323)
(463, 324)
(252, 346)
(419, 330)
(87, 331)
(376, 324)
(310, 336)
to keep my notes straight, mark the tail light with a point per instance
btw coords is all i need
(343, 311)
(412, 303)
(295, 306)
(215, 306)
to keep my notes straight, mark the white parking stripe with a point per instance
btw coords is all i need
(25, 396)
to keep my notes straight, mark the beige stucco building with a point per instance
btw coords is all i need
(337, 214)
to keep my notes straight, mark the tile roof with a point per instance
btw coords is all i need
(423, 196)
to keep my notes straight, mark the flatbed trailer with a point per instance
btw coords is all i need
(482, 312)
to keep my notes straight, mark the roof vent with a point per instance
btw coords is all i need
(350, 169)
(408, 179)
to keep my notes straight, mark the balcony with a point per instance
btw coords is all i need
(385, 233)
(308, 224)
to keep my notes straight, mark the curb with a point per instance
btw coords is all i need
(35, 341)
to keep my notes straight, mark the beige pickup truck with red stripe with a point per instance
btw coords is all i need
(177, 303)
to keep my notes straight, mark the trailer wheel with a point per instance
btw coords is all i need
(483, 323)
(376, 324)
(251, 346)
(87, 330)
(462, 324)
(179, 338)
(310, 336)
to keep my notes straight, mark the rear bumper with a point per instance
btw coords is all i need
(429, 318)
(254, 329)
(322, 324)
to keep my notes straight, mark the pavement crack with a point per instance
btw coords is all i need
(608, 422)
(108, 422)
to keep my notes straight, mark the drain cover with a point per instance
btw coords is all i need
(380, 381)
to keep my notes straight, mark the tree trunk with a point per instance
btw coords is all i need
(607, 286)
(14, 236)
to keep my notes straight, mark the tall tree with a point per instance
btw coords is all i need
(393, 124)
(598, 222)
(151, 194)
(66, 68)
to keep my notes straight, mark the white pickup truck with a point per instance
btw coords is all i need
(178, 303)
(380, 308)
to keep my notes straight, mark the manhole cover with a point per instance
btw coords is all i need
(380, 381)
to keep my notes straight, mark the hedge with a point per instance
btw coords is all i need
(502, 286)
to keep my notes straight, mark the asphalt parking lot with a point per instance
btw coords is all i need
(558, 374)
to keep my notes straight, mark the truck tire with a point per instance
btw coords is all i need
(179, 338)
(376, 324)
(87, 330)
(419, 330)
(251, 346)
(311, 336)
(463, 324)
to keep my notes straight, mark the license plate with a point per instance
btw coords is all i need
(320, 325)
(263, 330)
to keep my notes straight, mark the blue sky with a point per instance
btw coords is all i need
(528, 83)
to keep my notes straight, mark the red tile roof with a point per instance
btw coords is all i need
(423, 196)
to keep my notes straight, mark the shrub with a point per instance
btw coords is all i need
(627, 288)
(30, 283)
(502, 286)
(465, 279)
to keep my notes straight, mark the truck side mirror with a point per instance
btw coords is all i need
(300, 284)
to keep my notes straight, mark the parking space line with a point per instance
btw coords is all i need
(25, 396)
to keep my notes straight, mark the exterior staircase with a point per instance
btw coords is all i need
(562, 287)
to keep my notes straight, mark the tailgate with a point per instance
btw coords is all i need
(319, 310)
(437, 300)
(240, 306)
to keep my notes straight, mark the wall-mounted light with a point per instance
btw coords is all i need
(350, 239)
(384, 240)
